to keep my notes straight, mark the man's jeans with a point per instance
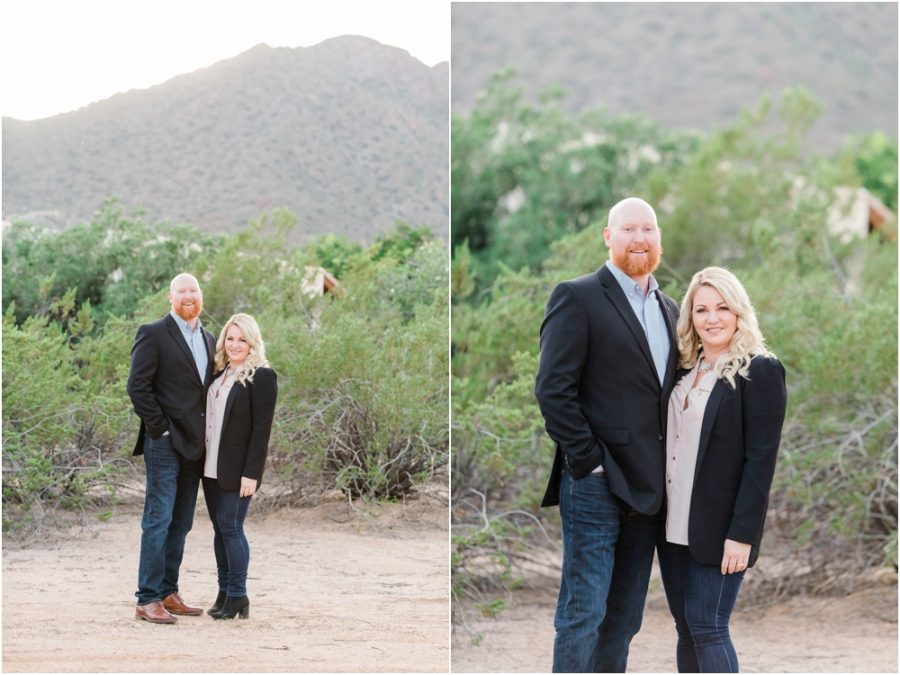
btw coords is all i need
(227, 511)
(172, 484)
(701, 599)
(607, 557)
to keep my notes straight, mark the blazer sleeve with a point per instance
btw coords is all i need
(564, 351)
(764, 400)
(263, 392)
(144, 364)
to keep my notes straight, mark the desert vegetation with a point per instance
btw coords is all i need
(363, 400)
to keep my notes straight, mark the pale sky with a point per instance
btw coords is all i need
(60, 55)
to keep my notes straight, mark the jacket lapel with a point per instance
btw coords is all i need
(672, 365)
(175, 332)
(617, 296)
(709, 416)
(229, 404)
(210, 341)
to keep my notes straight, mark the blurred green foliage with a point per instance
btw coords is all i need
(111, 262)
(523, 176)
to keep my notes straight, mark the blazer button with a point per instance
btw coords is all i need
(659, 437)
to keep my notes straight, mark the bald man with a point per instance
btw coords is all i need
(608, 357)
(171, 367)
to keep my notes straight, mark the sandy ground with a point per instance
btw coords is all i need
(855, 633)
(331, 590)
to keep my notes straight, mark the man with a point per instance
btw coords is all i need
(608, 359)
(171, 367)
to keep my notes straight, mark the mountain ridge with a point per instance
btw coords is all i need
(687, 65)
(350, 135)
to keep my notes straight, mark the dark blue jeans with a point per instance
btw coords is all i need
(701, 599)
(227, 511)
(171, 497)
(607, 556)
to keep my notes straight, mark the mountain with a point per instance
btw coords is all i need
(687, 65)
(350, 135)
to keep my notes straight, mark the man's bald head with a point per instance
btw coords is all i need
(186, 297)
(182, 279)
(633, 238)
(631, 209)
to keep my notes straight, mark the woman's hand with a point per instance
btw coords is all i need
(248, 486)
(735, 557)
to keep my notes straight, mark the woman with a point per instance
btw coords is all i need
(724, 426)
(239, 410)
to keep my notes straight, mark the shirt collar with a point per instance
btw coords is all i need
(184, 325)
(628, 284)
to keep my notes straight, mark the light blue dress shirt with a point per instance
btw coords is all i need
(195, 343)
(648, 311)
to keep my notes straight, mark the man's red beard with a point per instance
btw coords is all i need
(190, 313)
(638, 266)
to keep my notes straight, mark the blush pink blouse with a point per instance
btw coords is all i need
(682, 443)
(216, 398)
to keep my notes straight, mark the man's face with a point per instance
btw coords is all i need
(186, 297)
(634, 241)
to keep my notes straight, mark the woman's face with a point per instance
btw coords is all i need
(714, 322)
(236, 346)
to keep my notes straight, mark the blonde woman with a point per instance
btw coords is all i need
(239, 410)
(724, 425)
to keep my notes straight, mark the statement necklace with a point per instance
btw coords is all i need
(705, 366)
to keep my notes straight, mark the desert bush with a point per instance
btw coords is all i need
(111, 262)
(57, 432)
(365, 407)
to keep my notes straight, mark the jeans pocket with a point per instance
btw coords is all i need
(164, 442)
(589, 497)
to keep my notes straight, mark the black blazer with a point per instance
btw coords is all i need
(599, 392)
(739, 441)
(165, 387)
(246, 427)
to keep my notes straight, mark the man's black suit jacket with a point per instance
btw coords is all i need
(599, 392)
(739, 440)
(165, 387)
(246, 426)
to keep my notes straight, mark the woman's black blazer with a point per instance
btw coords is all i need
(738, 446)
(246, 426)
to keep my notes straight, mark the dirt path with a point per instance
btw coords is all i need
(857, 633)
(329, 593)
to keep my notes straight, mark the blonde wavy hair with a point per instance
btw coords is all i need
(747, 340)
(257, 356)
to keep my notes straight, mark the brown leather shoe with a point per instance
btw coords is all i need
(175, 604)
(154, 612)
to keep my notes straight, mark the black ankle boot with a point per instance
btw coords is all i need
(218, 604)
(233, 606)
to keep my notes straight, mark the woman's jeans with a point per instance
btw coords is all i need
(701, 599)
(227, 510)
(607, 557)
(171, 497)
